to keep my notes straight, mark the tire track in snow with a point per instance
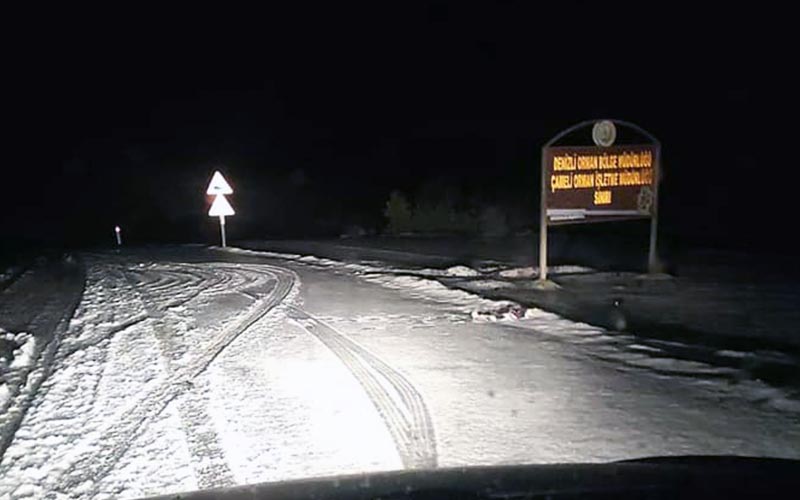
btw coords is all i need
(105, 449)
(209, 463)
(396, 399)
(68, 350)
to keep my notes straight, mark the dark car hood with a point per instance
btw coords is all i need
(647, 477)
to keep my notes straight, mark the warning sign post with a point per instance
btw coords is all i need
(219, 187)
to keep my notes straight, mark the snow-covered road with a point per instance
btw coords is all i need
(184, 369)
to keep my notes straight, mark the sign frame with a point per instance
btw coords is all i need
(218, 185)
(584, 168)
(654, 143)
(221, 207)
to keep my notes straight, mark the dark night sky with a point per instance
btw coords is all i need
(120, 116)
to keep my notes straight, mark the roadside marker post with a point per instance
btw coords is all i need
(219, 187)
(118, 233)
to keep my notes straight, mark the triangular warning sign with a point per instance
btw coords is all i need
(219, 185)
(220, 207)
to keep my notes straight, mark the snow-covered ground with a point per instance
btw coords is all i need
(183, 369)
(465, 286)
(720, 302)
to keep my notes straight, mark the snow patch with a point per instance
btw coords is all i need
(430, 289)
(678, 366)
(18, 354)
(5, 393)
(488, 284)
(24, 354)
(520, 272)
(461, 272)
(570, 269)
(645, 348)
(532, 272)
(259, 253)
(731, 354)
